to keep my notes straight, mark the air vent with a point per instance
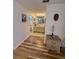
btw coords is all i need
(45, 1)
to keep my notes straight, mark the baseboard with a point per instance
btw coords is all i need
(21, 42)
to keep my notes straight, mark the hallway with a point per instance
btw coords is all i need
(37, 34)
(34, 20)
(33, 48)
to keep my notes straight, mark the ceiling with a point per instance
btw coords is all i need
(37, 5)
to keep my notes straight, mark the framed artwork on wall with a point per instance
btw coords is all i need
(41, 19)
(56, 17)
(23, 17)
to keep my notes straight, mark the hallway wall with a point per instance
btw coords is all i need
(59, 26)
(20, 30)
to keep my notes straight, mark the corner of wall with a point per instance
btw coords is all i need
(21, 42)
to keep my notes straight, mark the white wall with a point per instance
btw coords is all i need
(20, 30)
(59, 26)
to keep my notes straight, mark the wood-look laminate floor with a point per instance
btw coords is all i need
(33, 48)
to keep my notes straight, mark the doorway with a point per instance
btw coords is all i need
(37, 24)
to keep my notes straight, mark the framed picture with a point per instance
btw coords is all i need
(41, 19)
(23, 18)
(56, 17)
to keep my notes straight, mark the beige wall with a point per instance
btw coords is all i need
(59, 26)
(20, 30)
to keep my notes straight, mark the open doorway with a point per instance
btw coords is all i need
(37, 24)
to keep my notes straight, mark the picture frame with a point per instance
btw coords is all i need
(23, 17)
